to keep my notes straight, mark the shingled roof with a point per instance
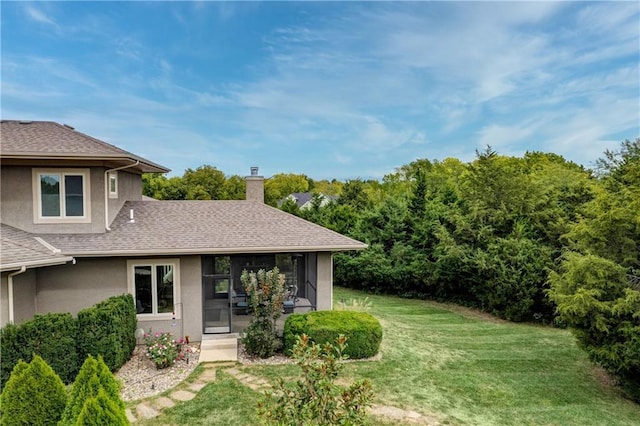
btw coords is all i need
(19, 248)
(50, 140)
(198, 227)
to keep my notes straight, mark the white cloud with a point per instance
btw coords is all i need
(39, 16)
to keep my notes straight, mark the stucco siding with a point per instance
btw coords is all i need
(4, 300)
(70, 288)
(24, 294)
(129, 189)
(325, 281)
(17, 202)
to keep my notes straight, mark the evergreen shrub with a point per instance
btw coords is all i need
(93, 379)
(33, 395)
(108, 329)
(52, 336)
(362, 329)
(101, 410)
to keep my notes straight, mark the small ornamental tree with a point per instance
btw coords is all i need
(33, 395)
(265, 290)
(316, 399)
(93, 379)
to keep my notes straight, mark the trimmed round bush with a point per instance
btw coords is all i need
(363, 331)
(33, 395)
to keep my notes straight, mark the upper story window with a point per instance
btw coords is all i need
(113, 184)
(62, 195)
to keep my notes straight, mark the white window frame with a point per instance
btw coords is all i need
(63, 218)
(112, 176)
(154, 315)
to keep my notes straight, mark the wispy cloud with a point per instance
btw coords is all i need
(37, 15)
(359, 88)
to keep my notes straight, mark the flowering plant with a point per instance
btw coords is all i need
(161, 349)
(183, 350)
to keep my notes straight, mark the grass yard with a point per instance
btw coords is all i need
(453, 364)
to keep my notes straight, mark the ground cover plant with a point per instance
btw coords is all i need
(461, 366)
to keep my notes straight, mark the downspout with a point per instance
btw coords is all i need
(10, 290)
(106, 191)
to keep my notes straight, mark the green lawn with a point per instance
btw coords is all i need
(453, 364)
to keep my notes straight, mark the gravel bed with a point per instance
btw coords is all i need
(247, 359)
(140, 378)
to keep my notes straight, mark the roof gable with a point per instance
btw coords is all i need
(50, 140)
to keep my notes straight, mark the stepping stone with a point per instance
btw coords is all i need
(197, 386)
(182, 395)
(130, 415)
(255, 387)
(146, 411)
(234, 372)
(164, 402)
(208, 375)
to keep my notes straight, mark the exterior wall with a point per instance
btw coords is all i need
(129, 189)
(324, 281)
(17, 202)
(71, 288)
(24, 295)
(4, 300)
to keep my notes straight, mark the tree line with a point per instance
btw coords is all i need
(531, 238)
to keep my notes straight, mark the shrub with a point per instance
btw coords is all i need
(162, 349)
(362, 329)
(52, 336)
(34, 394)
(316, 399)
(11, 345)
(101, 410)
(108, 329)
(94, 378)
(594, 299)
(265, 290)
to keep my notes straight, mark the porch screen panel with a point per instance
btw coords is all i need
(73, 195)
(164, 274)
(143, 289)
(50, 195)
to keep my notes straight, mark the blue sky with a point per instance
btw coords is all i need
(329, 89)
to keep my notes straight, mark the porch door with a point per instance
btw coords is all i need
(216, 295)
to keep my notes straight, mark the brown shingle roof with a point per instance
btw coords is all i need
(19, 248)
(49, 140)
(192, 227)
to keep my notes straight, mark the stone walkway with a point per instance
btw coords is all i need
(151, 408)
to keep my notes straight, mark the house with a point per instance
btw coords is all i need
(304, 200)
(76, 229)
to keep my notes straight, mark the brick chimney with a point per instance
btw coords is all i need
(254, 186)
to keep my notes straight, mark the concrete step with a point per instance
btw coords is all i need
(219, 349)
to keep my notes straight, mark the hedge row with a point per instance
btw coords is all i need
(106, 329)
(363, 331)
